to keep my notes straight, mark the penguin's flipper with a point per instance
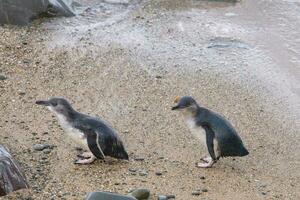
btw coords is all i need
(102, 139)
(210, 141)
(93, 144)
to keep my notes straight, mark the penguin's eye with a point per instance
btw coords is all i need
(54, 104)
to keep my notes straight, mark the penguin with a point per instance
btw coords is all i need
(219, 136)
(93, 134)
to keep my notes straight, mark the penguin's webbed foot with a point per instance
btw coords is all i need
(206, 159)
(206, 164)
(85, 161)
(85, 155)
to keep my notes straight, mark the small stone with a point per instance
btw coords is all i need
(140, 194)
(47, 151)
(143, 173)
(196, 193)
(2, 77)
(264, 193)
(41, 147)
(132, 170)
(162, 197)
(204, 190)
(202, 177)
(165, 197)
(158, 173)
(139, 159)
(171, 196)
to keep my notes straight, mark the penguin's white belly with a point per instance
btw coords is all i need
(197, 131)
(75, 134)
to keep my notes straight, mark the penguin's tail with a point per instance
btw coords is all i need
(122, 155)
(244, 152)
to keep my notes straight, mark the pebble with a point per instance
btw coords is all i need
(143, 173)
(139, 159)
(2, 77)
(140, 193)
(165, 197)
(41, 147)
(47, 151)
(158, 173)
(132, 170)
(196, 193)
(204, 190)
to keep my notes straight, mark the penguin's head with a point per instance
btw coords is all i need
(185, 103)
(57, 105)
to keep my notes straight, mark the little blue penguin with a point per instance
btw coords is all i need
(220, 137)
(94, 135)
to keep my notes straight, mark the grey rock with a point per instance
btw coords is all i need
(143, 173)
(196, 193)
(41, 147)
(204, 190)
(139, 159)
(165, 197)
(140, 194)
(162, 197)
(21, 12)
(132, 170)
(158, 173)
(47, 151)
(2, 77)
(108, 196)
(12, 177)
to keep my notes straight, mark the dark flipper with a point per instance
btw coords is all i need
(210, 142)
(93, 146)
(102, 139)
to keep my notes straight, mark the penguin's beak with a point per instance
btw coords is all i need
(43, 103)
(176, 107)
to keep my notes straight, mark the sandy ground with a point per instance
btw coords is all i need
(125, 63)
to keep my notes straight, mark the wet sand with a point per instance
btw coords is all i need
(126, 63)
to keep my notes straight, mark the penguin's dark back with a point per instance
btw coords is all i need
(229, 141)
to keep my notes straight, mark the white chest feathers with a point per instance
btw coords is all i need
(75, 134)
(197, 131)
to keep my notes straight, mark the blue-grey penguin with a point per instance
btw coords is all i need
(220, 137)
(94, 135)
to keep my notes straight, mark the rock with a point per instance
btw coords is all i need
(140, 194)
(196, 193)
(132, 170)
(139, 159)
(2, 77)
(41, 147)
(106, 195)
(158, 173)
(11, 176)
(204, 190)
(143, 173)
(202, 177)
(47, 151)
(165, 197)
(21, 12)
(162, 197)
